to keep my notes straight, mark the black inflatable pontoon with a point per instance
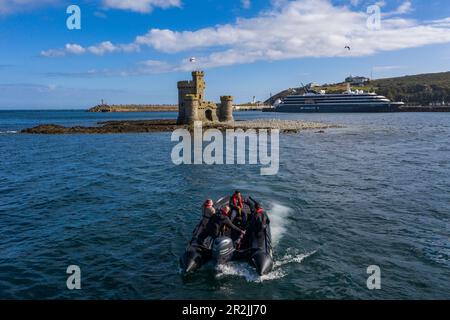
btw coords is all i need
(255, 247)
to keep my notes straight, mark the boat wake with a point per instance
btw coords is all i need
(278, 215)
(244, 270)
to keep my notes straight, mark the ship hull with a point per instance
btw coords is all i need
(340, 108)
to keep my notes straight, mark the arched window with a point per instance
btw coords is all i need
(208, 115)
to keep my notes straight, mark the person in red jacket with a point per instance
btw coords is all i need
(236, 205)
(217, 224)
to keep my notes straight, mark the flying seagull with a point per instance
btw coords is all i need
(348, 47)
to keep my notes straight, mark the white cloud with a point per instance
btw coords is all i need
(142, 6)
(405, 7)
(53, 53)
(141, 68)
(102, 48)
(445, 23)
(291, 30)
(153, 66)
(98, 49)
(13, 6)
(75, 48)
(246, 4)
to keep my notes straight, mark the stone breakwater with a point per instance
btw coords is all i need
(133, 108)
(143, 126)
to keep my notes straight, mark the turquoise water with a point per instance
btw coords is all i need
(375, 192)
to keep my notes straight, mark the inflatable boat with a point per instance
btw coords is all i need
(255, 246)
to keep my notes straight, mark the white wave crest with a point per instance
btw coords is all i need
(278, 215)
(291, 258)
(244, 270)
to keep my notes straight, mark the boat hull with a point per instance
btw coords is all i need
(350, 108)
(256, 249)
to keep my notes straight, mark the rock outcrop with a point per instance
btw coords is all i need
(143, 126)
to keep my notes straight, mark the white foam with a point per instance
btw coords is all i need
(278, 215)
(244, 270)
(291, 258)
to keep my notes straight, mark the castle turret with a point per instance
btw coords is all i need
(198, 77)
(184, 88)
(193, 107)
(226, 109)
(191, 104)
(196, 87)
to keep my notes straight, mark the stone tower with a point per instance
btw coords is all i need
(192, 106)
(226, 109)
(191, 102)
(196, 87)
(198, 77)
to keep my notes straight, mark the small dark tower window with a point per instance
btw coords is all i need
(208, 115)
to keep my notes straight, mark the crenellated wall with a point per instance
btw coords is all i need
(193, 107)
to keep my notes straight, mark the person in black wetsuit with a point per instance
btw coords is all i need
(259, 220)
(207, 211)
(216, 224)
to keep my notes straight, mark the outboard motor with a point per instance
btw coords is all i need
(223, 250)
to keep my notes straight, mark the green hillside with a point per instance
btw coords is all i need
(421, 89)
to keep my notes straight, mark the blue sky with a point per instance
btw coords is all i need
(134, 51)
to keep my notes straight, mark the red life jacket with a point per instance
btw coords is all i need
(260, 213)
(237, 201)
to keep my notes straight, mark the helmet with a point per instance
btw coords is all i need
(208, 203)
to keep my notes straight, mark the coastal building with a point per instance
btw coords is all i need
(192, 106)
(312, 85)
(357, 81)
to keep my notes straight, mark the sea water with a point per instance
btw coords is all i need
(375, 192)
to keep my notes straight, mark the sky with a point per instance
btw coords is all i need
(135, 51)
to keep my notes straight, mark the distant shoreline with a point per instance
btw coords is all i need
(134, 108)
(159, 108)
